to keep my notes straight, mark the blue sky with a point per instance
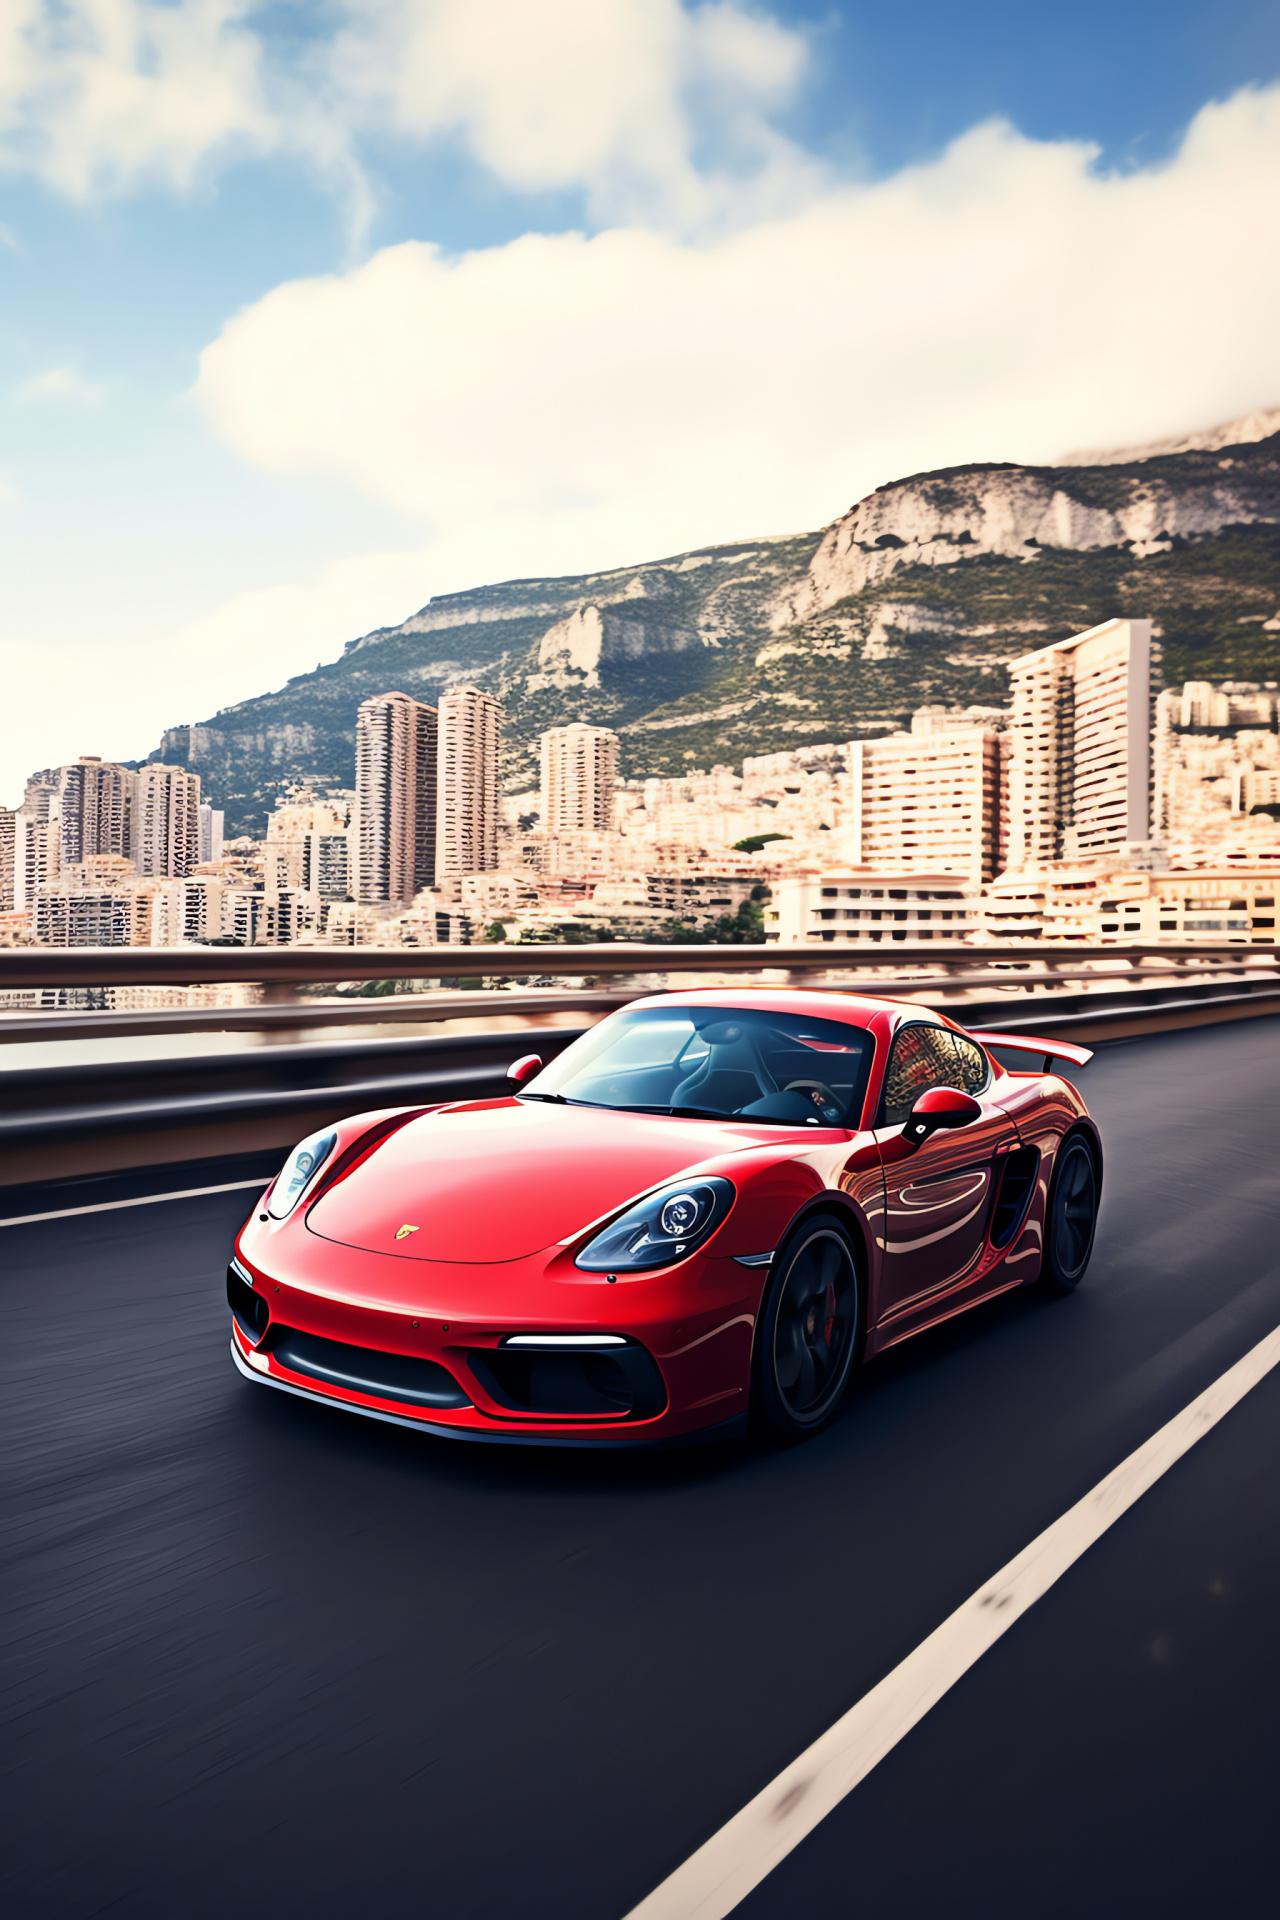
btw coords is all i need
(309, 311)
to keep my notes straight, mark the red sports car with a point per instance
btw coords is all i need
(711, 1204)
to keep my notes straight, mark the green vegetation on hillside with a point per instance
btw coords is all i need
(696, 672)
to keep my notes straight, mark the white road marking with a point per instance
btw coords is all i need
(735, 1860)
(143, 1200)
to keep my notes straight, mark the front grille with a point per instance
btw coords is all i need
(622, 1384)
(250, 1309)
(386, 1376)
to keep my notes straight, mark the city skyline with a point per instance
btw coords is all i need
(974, 823)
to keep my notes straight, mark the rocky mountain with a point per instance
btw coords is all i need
(921, 592)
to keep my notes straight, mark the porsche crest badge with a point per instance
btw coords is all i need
(402, 1233)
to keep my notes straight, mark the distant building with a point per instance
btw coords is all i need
(698, 896)
(396, 787)
(1080, 734)
(1117, 904)
(8, 857)
(92, 916)
(165, 841)
(467, 791)
(37, 859)
(211, 826)
(927, 801)
(95, 801)
(579, 774)
(326, 866)
(871, 908)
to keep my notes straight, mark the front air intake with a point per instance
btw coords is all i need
(249, 1308)
(383, 1376)
(621, 1384)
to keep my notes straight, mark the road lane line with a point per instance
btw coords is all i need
(143, 1200)
(735, 1860)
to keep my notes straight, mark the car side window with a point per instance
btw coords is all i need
(923, 1057)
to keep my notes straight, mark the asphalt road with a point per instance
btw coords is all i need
(263, 1658)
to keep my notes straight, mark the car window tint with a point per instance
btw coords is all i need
(925, 1056)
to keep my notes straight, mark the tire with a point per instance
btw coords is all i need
(1071, 1216)
(808, 1332)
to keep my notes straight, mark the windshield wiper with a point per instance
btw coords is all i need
(554, 1099)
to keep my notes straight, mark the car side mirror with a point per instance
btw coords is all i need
(524, 1068)
(940, 1107)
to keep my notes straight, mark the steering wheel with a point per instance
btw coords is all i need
(819, 1092)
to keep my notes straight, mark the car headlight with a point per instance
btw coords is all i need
(295, 1175)
(664, 1227)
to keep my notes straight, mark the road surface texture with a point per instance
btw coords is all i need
(262, 1658)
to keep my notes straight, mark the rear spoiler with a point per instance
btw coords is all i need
(1025, 1043)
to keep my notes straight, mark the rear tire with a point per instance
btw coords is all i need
(808, 1331)
(1071, 1216)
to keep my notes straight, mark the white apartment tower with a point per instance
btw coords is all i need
(166, 822)
(927, 802)
(579, 774)
(1080, 771)
(211, 824)
(467, 804)
(8, 857)
(395, 798)
(95, 800)
(37, 838)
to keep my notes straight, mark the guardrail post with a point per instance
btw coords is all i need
(277, 993)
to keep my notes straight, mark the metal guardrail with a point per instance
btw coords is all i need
(206, 966)
(68, 1120)
(913, 970)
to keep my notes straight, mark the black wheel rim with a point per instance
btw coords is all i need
(1075, 1209)
(813, 1331)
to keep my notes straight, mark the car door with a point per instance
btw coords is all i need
(937, 1195)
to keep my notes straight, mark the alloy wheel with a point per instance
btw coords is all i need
(1074, 1214)
(814, 1326)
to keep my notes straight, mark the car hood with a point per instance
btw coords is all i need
(501, 1180)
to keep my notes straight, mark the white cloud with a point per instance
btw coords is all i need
(115, 94)
(564, 401)
(627, 99)
(647, 104)
(62, 383)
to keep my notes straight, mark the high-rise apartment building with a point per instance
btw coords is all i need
(36, 861)
(95, 804)
(166, 822)
(211, 824)
(467, 805)
(929, 802)
(579, 774)
(326, 865)
(396, 798)
(1080, 735)
(8, 857)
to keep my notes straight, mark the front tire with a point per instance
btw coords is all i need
(807, 1337)
(1071, 1216)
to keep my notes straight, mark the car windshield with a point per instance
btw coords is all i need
(721, 1063)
